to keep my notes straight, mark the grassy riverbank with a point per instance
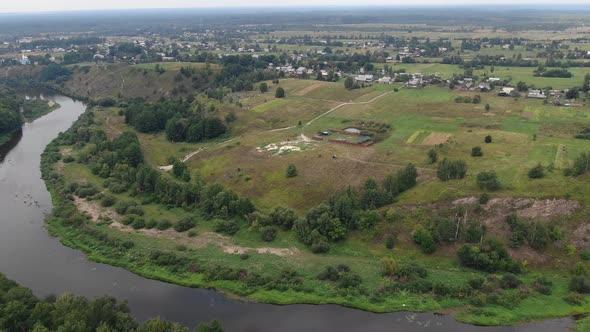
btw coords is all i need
(185, 230)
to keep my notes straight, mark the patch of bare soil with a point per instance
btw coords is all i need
(436, 138)
(496, 210)
(95, 211)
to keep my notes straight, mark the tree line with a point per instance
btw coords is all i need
(22, 311)
(182, 120)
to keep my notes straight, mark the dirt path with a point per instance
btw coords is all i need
(194, 153)
(345, 104)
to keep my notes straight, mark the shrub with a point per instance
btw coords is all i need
(585, 254)
(574, 299)
(320, 246)
(138, 223)
(163, 225)
(107, 201)
(477, 283)
(484, 198)
(229, 227)
(488, 180)
(291, 171)
(191, 233)
(185, 224)
(423, 238)
(432, 156)
(128, 207)
(543, 285)
(269, 233)
(151, 224)
(509, 281)
(389, 242)
(389, 266)
(488, 139)
(280, 93)
(489, 257)
(579, 284)
(451, 169)
(537, 172)
(476, 151)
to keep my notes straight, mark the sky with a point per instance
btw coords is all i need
(8, 6)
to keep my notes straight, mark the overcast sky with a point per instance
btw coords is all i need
(59, 5)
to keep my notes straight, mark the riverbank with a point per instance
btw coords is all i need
(271, 278)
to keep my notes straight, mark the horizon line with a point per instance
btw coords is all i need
(489, 4)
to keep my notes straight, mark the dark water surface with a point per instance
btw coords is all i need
(29, 255)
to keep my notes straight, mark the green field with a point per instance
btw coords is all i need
(270, 133)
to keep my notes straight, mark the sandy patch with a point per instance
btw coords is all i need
(288, 146)
(436, 138)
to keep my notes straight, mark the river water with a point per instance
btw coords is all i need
(33, 258)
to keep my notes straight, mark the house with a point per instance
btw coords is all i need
(414, 83)
(301, 70)
(537, 94)
(364, 78)
(506, 91)
(494, 79)
(326, 133)
(385, 80)
(484, 87)
(98, 56)
(353, 131)
(25, 60)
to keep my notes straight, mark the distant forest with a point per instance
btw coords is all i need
(125, 22)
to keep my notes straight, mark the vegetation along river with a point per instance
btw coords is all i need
(35, 259)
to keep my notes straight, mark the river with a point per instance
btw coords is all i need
(33, 258)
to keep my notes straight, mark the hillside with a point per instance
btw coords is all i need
(131, 81)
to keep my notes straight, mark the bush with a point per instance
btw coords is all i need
(151, 224)
(537, 172)
(163, 225)
(432, 156)
(229, 227)
(477, 283)
(191, 233)
(574, 299)
(451, 169)
(280, 93)
(476, 151)
(484, 198)
(320, 246)
(585, 254)
(138, 223)
(488, 181)
(389, 266)
(389, 242)
(269, 233)
(423, 238)
(128, 207)
(579, 284)
(509, 281)
(291, 171)
(107, 201)
(185, 224)
(489, 257)
(543, 285)
(488, 139)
